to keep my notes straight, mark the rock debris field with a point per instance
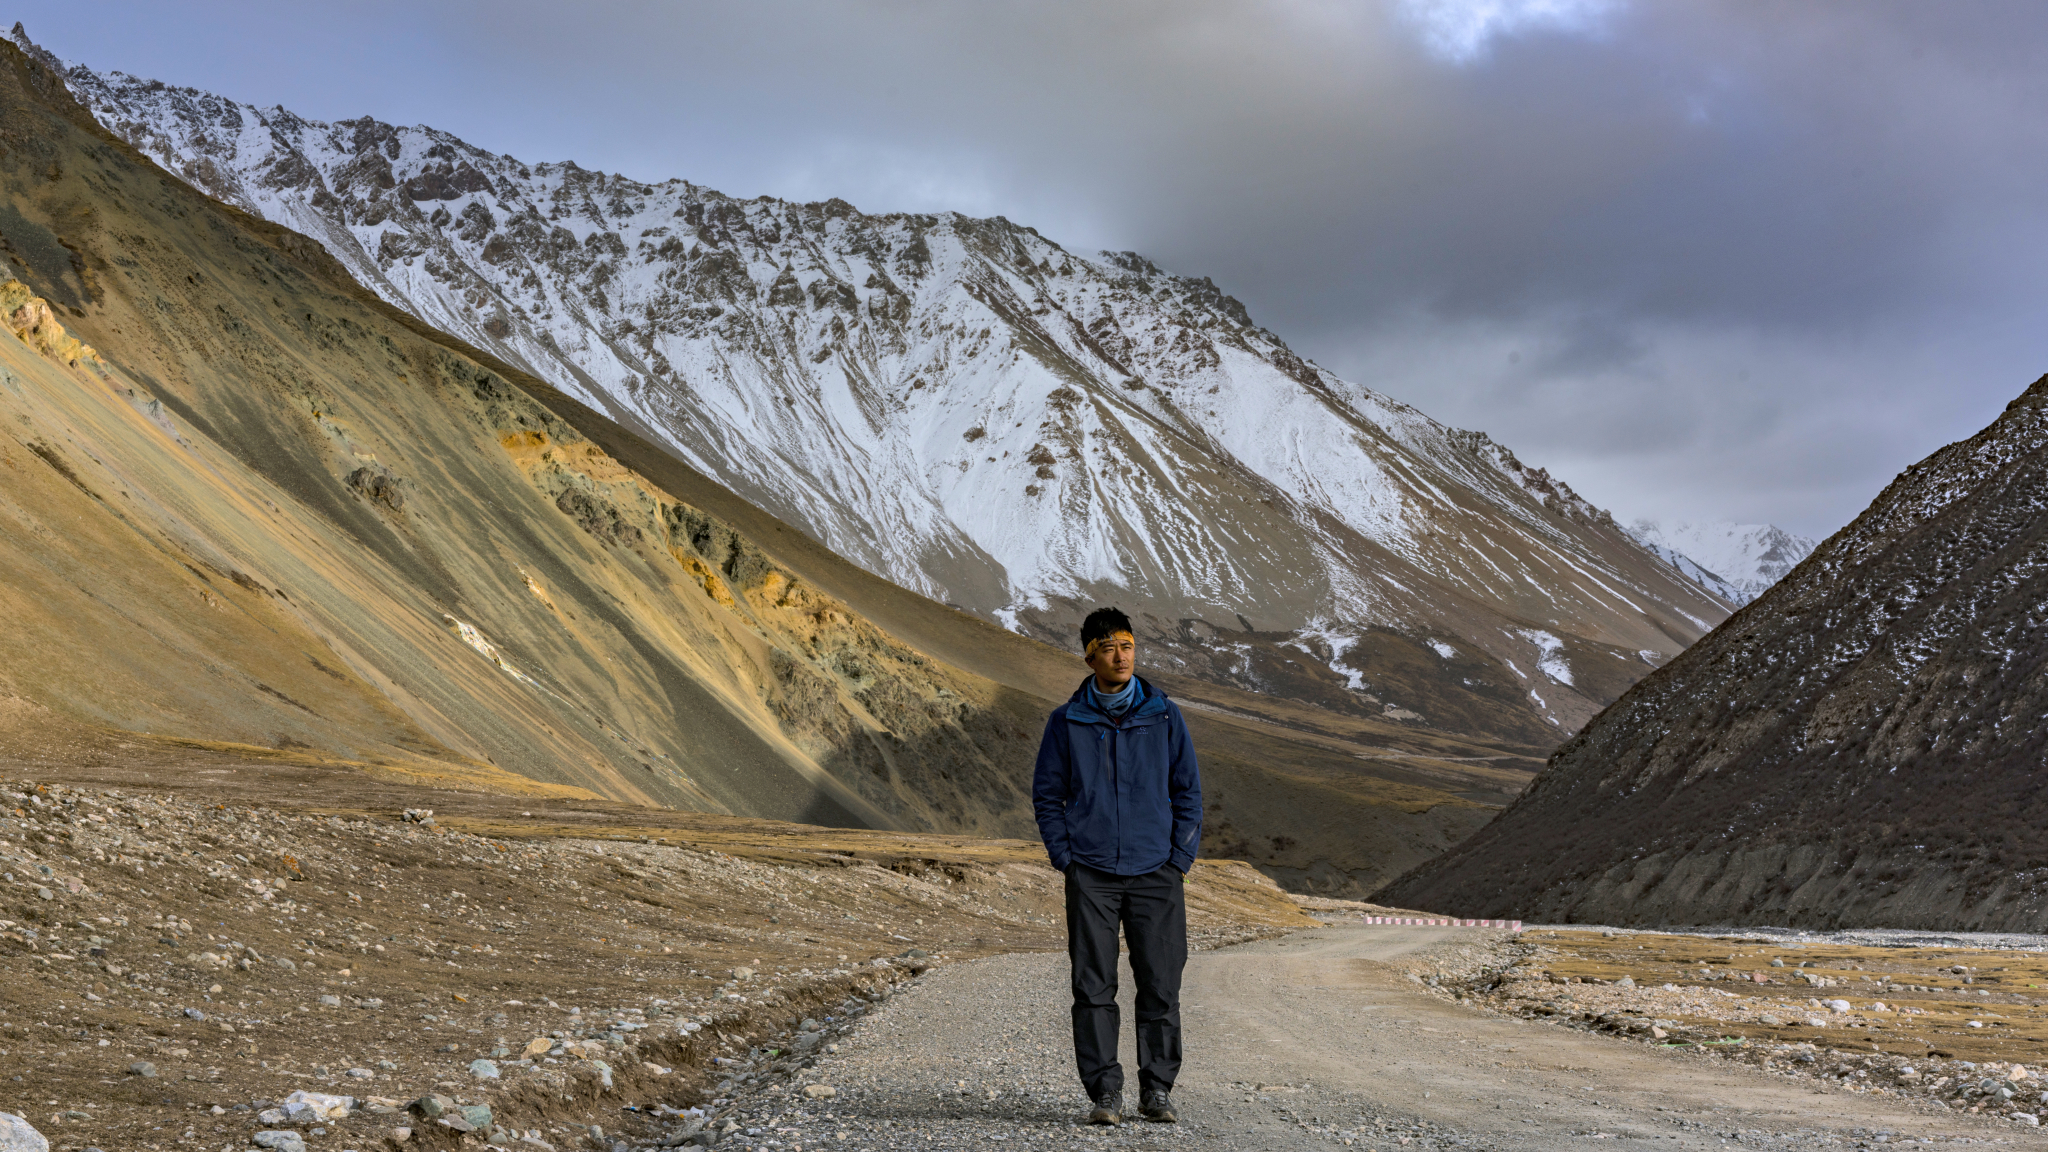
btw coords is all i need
(179, 974)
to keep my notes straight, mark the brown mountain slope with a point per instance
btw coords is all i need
(271, 510)
(266, 513)
(1861, 746)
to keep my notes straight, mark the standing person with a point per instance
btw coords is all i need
(1119, 804)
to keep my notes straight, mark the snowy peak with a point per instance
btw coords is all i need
(962, 406)
(1736, 562)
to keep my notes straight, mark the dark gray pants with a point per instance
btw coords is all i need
(1152, 910)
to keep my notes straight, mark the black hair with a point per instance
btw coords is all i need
(1104, 622)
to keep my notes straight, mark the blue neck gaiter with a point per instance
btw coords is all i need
(1115, 704)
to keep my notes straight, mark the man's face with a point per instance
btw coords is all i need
(1115, 660)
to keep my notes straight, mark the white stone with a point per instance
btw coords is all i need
(18, 1135)
(1838, 1006)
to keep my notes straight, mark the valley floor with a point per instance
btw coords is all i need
(192, 937)
(1314, 1040)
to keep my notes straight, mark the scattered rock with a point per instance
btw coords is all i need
(433, 1106)
(142, 1068)
(330, 1001)
(279, 1141)
(1625, 982)
(1836, 1006)
(537, 1047)
(483, 1069)
(18, 1135)
(820, 1091)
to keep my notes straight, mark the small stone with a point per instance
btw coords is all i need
(483, 1069)
(820, 1091)
(361, 1074)
(142, 1068)
(194, 1014)
(743, 973)
(1777, 963)
(478, 1115)
(330, 1001)
(386, 1066)
(401, 1134)
(2027, 1118)
(1837, 1006)
(433, 1106)
(285, 1141)
(1770, 1021)
(1657, 1033)
(18, 1135)
(810, 1025)
(537, 1047)
(45, 894)
(1625, 982)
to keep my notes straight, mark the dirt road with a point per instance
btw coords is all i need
(1306, 1041)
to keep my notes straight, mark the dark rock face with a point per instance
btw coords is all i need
(1860, 746)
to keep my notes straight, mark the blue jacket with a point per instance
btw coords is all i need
(1122, 796)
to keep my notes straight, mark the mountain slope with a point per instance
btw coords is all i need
(1737, 562)
(251, 505)
(968, 409)
(266, 511)
(1859, 746)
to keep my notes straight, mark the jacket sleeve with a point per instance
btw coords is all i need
(1050, 786)
(1184, 792)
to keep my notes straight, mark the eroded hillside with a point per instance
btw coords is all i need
(263, 512)
(1861, 746)
(973, 411)
(267, 511)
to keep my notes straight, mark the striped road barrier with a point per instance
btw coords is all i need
(1510, 925)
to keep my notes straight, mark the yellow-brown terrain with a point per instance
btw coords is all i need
(268, 512)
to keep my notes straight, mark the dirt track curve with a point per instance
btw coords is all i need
(1308, 1041)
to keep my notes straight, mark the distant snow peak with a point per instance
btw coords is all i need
(1736, 562)
(1463, 31)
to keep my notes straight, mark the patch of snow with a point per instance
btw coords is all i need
(1442, 649)
(1549, 655)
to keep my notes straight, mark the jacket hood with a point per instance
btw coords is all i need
(1080, 711)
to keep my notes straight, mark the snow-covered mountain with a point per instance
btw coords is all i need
(971, 410)
(1736, 561)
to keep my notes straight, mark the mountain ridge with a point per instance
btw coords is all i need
(1858, 747)
(972, 411)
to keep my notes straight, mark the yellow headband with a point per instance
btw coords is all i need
(1099, 641)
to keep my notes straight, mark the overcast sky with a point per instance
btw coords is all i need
(1701, 258)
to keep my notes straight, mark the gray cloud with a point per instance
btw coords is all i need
(1702, 257)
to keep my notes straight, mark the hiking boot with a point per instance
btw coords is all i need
(1108, 1110)
(1158, 1107)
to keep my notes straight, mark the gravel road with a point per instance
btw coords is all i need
(1306, 1041)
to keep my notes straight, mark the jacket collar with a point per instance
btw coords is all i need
(1081, 711)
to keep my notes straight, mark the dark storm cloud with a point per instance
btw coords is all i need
(1703, 258)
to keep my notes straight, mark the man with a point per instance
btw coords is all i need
(1119, 805)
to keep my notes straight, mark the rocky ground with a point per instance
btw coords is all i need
(1958, 1028)
(179, 973)
(1316, 1040)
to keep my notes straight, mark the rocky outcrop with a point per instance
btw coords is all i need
(1860, 746)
